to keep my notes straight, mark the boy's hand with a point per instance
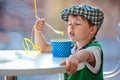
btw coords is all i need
(71, 64)
(39, 24)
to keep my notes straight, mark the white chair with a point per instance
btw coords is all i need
(116, 70)
(113, 73)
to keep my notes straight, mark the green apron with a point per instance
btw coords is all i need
(86, 74)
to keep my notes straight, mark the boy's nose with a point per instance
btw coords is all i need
(72, 27)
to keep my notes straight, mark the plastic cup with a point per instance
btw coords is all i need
(61, 47)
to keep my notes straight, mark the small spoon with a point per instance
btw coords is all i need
(21, 56)
(56, 31)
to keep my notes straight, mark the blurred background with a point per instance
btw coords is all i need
(17, 19)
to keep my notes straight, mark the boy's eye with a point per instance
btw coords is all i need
(78, 24)
(75, 24)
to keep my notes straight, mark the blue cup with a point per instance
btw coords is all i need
(61, 47)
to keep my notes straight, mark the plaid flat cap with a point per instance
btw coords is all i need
(93, 14)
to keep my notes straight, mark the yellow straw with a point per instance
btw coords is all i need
(26, 41)
(25, 44)
(35, 8)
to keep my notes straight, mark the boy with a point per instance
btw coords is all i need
(84, 21)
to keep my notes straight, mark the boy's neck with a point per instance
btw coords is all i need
(82, 44)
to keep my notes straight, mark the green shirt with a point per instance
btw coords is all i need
(86, 74)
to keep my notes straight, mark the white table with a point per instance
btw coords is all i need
(22, 65)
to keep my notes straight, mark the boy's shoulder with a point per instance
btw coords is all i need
(95, 43)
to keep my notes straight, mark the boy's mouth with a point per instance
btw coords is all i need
(72, 34)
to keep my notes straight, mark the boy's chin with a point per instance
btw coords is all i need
(72, 39)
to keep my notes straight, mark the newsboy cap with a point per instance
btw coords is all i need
(94, 14)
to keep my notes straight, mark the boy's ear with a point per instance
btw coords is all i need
(93, 29)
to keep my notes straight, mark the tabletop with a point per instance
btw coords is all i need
(17, 62)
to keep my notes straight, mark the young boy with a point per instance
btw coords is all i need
(84, 21)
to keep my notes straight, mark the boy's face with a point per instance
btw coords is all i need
(79, 29)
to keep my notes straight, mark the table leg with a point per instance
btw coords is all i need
(10, 78)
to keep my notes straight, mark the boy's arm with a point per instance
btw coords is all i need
(91, 56)
(85, 56)
(40, 40)
(73, 61)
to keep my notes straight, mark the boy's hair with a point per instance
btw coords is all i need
(89, 22)
(90, 25)
(92, 14)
